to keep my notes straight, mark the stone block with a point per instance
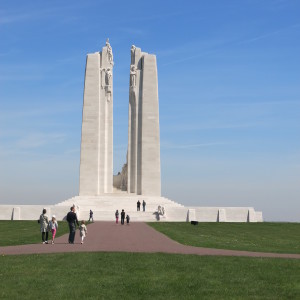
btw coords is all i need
(16, 215)
(221, 215)
(191, 215)
(251, 215)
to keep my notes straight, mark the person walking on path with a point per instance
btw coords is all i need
(138, 205)
(127, 219)
(122, 216)
(91, 216)
(72, 220)
(144, 205)
(83, 231)
(53, 227)
(44, 222)
(117, 216)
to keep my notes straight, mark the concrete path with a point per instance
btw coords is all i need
(136, 237)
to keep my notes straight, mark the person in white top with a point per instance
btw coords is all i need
(53, 227)
(83, 231)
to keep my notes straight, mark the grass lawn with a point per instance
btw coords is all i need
(25, 232)
(147, 276)
(264, 237)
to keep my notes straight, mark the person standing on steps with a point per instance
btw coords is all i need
(117, 216)
(44, 222)
(91, 216)
(138, 205)
(72, 220)
(122, 217)
(144, 205)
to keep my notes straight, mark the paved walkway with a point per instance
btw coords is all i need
(136, 237)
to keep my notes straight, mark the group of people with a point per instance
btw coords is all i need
(72, 220)
(138, 205)
(47, 226)
(122, 217)
(52, 226)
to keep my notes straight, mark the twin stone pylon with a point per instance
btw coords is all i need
(96, 156)
(141, 173)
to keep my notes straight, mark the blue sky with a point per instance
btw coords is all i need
(229, 92)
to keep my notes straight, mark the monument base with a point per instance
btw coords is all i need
(104, 207)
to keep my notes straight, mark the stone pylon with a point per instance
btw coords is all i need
(96, 157)
(143, 158)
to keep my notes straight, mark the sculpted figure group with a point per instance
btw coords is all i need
(110, 56)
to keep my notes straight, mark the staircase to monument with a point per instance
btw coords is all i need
(104, 206)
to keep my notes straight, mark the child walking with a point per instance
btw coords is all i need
(127, 219)
(53, 227)
(83, 231)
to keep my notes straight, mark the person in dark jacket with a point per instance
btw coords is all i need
(127, 219)
(144, 205)
(122, 216)
(91, 216)
(72, 220)
(138, 205)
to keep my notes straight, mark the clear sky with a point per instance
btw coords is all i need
(229, 92)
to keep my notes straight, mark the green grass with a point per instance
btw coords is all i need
(25, 232)
(147, 276)
(264, 237)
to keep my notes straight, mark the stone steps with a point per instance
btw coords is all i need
(118, 201)
(104, 206)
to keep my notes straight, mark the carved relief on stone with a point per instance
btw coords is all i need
(107, 82)
(161, 210)
(108, 77)
(110, 56)
(132, 54)
(132, 76)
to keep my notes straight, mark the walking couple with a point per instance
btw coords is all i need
(72, 220)
(47, 226)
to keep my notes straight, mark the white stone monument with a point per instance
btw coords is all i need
(96, 157)
(140, 177)
(143, 158)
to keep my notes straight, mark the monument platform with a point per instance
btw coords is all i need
(104, 207)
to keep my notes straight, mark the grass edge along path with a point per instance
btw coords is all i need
(14, 233)
(148, 276)
(257, 237)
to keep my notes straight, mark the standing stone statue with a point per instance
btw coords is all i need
(132, 76)
(108, 84)
(108, 76)
(132, 50)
